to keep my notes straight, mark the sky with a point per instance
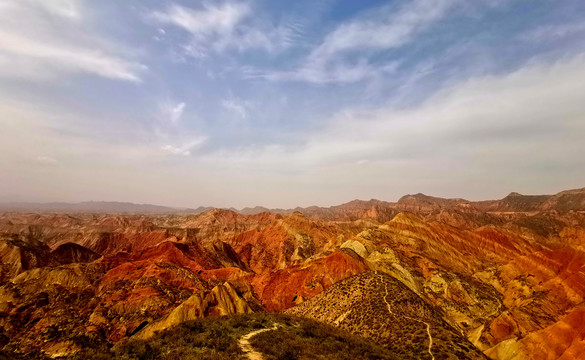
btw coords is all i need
(289, 103)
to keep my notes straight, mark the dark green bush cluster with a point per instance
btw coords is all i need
(308, 339)
(212, 339)
(217, 339)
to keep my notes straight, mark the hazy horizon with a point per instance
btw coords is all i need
(7, 200)
(243, 103)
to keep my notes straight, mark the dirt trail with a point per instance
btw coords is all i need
(408, 317)
(430, 339)
(247, 348)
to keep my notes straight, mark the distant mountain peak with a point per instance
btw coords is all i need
(513, 193)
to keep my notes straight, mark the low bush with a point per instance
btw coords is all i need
(217, 339)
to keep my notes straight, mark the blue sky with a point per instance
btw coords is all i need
(279, 103)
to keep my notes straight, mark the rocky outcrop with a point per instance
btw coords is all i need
(18, 255)
(221, 300)
(565, 201)
(283, 288)
(504, 280)
(73, 253)
(565, 339)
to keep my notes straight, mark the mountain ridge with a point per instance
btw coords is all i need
(514, 201)
(503, 280)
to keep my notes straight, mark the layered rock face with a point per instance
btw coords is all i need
(497, 278)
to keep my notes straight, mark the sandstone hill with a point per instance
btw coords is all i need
(501, 277)
(563, 202)
(380, 307)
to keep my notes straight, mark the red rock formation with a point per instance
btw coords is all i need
(281, 289)
(508, 274)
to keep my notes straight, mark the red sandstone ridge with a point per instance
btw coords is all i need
(382, 211)
(506, 274)
(282, 289)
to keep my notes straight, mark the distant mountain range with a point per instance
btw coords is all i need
(96, 207)
(423, 277)
(569, 200)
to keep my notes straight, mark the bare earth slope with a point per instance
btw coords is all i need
(500, 277)
(380, 307)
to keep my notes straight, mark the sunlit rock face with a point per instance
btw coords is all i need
(501, 278)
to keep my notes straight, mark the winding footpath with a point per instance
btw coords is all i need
(408, 317)
(247, 348)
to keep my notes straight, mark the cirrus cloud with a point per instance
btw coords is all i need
(39, 40)
(223, 26)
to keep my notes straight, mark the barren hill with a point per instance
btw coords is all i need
(378, 306)
(382, 211)
(499, 282)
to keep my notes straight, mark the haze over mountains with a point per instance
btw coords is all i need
(515, 202)
(424, 277)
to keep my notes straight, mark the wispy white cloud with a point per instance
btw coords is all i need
(47, 160)
(63, 8)
(210, 19)
(519, 129)
(173, 113)
(337, 72)
(388, 28)
(184, 149)
(177, 112)
(537, 121)
(554, 32)
(237, 106)
(224, 26)
(56, 138)
(27, 58)
(40, 39)
(171, 134)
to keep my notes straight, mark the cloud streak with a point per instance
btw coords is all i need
(554, 32)
(524, 119)
(389, 28)
(39, 40)
(471, 99)
(236, 106)
(184, 149)
(175, 113)
(223, 26)
(47, 160)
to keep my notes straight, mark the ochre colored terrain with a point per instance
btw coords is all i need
(503, 279)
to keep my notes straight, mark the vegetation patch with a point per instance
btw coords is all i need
(217, 339)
